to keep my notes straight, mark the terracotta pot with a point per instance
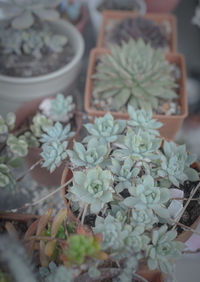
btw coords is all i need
(171, 124)
(150, 275)
(80, 25)
(39, 174)
(109, 16)
(161, 6)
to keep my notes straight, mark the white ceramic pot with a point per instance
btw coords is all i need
(96, 16)
(16, 91)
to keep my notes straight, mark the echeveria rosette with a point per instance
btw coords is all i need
(123, 173)
(59, 108)
(143, 217)
(39, 124)
(139, 146)
(136, 74)
(143, 119)
(92, 188)
(95, 154)
(175, 164)
(119, 237)
(145, 195)
(56, 133)
(53, 154)
(163, 249)
(105, 129)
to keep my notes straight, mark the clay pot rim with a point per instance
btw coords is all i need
(95, 52)
(155, 17)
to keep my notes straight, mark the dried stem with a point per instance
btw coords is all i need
(30, 169)
(185, 227)
(44, 238)
(186, 205)
(44, 198)
(185, 199)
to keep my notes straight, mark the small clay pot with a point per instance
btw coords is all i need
(161, 6)
(171, 124)
(39, 174)
(109, 16)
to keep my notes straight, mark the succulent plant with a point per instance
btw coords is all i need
(143, 217)
(145, 195)
(22, 12)
(80, 247)
(7, 180)
(17, 146)
(95, 154)
(39, 124)
(163, 248)
(53, 154)
(118, 237)
(143, 120)
(105, 129)
(139, 145)
(32, 41)
(175, 164)
(30, 139)
(123, 173)
(122, 5)
(56, 273)
(7, 124)
(134, 74)
(92, 188)
(58, 109)
(56, 133)
(139, 27)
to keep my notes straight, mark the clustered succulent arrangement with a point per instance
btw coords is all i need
(49, 129)
(26, 29)
(119, 210)
(139, 27)
(122, 179)
(134, 74)
(13, 149)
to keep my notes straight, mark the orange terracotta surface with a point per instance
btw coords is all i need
(121, 15)
(171, 124)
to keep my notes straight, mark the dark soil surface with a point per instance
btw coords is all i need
(193, 210)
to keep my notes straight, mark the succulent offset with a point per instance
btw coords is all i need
(59, 108)
(134, 74)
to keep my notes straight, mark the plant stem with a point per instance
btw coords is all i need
(31, 168)
(185, 199)
(84, 213)
(27, 205)
(184, 226)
